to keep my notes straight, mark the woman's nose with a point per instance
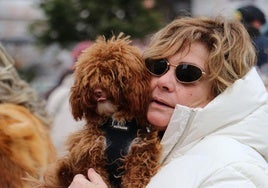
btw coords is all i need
(167, 81)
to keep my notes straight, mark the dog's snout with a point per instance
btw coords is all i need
(98, 92)
(100, 95)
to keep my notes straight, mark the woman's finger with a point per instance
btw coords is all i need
(95, 178)
(80, 181)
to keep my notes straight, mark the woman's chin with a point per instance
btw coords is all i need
(159, 121)
(159, 116)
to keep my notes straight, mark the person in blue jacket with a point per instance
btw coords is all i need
(254, 19)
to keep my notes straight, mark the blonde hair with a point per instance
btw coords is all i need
(231, 52)
(16, 91)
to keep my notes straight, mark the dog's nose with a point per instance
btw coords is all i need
(100, 95)
(98, 92)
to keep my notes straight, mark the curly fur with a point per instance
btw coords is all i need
(117, 67)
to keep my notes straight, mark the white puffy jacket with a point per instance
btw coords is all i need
(223, 145)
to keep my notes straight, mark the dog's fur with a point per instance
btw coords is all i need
(116, 67)
(25, 146)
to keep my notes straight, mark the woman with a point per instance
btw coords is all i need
(210, 103)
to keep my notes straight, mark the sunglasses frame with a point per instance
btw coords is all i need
(176, 66)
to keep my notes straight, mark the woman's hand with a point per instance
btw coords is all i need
(95, 180)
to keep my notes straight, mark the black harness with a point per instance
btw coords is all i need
(118, 138)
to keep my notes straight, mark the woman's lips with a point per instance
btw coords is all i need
(162, 103)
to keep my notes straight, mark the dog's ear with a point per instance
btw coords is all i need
(80, 100)
(76, 102)
(80, 94)
(139, 96)
(136, 90)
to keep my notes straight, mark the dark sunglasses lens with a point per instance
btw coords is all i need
(156, 67)
(188, 73)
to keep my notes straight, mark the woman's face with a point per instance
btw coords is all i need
(167, 91)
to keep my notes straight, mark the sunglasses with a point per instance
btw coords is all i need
(185, 72)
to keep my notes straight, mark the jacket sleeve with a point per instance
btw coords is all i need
(238, 175)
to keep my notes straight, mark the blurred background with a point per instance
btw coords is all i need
(41, 35)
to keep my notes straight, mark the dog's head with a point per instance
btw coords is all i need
(110, 70)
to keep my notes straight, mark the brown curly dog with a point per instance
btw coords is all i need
(111, 92)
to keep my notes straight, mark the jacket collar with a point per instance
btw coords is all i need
(224, 115)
